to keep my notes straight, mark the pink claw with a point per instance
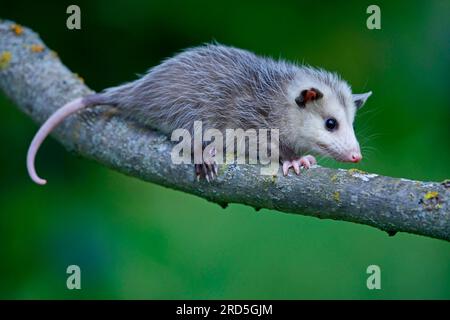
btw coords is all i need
(311, 159)
(296, 164)
(286, 166)
(306, 162)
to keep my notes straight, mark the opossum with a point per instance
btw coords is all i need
(226, 87)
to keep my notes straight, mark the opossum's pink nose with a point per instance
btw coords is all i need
(355, 157)
(352, 156)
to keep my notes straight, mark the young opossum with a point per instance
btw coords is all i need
(226, 87)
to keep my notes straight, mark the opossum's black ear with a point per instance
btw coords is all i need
(361, 98)
(307, 96)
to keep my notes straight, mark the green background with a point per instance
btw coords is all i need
(138, 240)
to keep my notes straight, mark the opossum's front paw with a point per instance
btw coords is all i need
(306, 162)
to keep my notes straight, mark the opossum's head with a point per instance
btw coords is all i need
(320, 117)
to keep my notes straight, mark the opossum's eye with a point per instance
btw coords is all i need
(331, 124)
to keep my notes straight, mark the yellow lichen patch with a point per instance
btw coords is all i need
(334, 178)
(36, 48)
(337, 196)
(431, 201)
(17, 29)
(79, 77)
(431, 195)
(354, 170)
(5, 58)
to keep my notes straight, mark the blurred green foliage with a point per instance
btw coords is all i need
(138, 240)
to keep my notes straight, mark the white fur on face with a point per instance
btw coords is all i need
(308, 123)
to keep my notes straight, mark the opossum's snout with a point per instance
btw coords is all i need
(339, 141)
(353, 156)
(346, 147)
(340, 152)
(334, 133)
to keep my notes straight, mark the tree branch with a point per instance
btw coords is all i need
(36, 80)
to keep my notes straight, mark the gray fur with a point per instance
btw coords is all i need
(212, 83)
(222, 86)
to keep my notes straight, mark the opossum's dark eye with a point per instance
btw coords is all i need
(331, 124)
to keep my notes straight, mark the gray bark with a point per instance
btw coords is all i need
(34, 78)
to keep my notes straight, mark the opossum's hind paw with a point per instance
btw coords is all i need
(306, 162)
(206, 171)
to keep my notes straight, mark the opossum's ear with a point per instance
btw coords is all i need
(361, 98)
(307, 96)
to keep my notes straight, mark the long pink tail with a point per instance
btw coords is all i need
(54, 120)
